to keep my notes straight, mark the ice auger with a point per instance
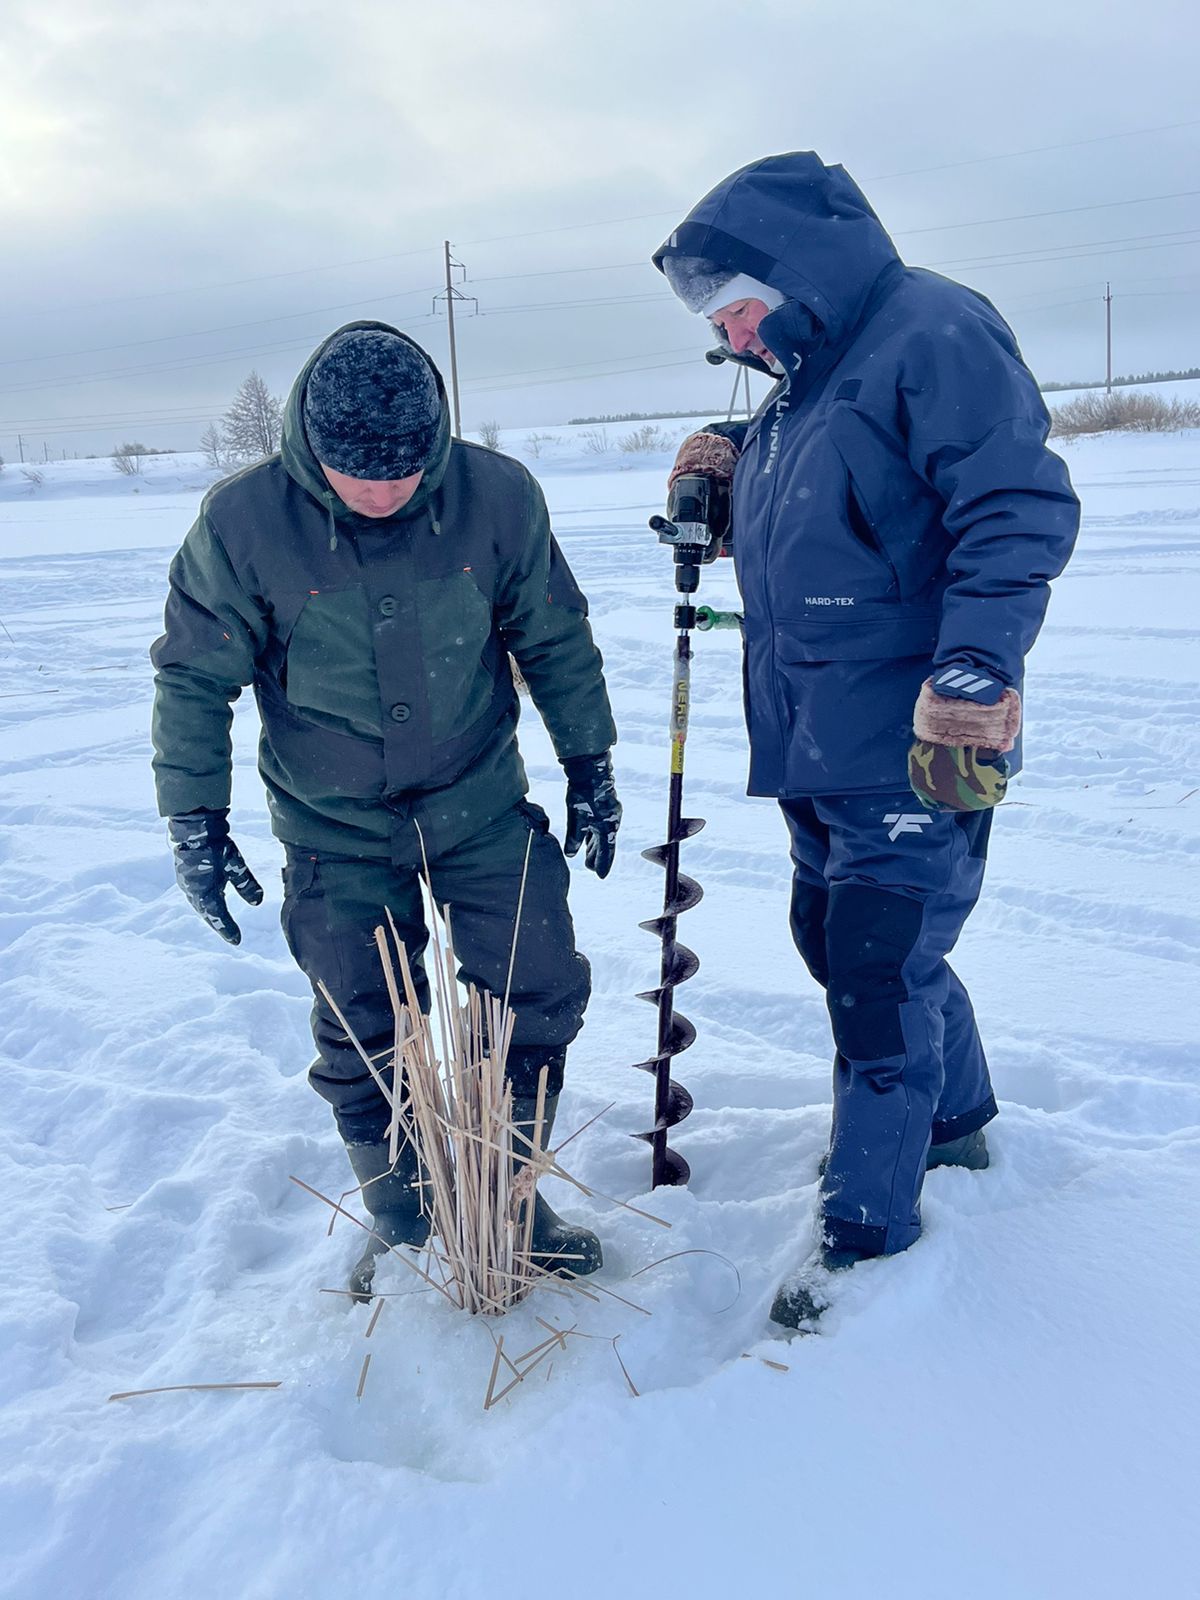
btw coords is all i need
(697, 529)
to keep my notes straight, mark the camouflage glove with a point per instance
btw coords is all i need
(593, 811)
(710, 455)
(206, 859)
(956, 762)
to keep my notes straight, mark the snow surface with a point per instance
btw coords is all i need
(1006, 1412)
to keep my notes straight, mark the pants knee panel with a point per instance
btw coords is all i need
(869, 936)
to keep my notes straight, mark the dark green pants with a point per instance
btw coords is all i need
(333, 904)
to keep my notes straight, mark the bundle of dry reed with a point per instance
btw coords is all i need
(444, 1081)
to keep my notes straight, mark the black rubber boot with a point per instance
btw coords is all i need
(563, 1248)
(801, 1299)
(392, 1195)
(970, 1151)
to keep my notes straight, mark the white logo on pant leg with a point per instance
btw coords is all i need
(906, 822)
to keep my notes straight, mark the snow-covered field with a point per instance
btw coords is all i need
(1007, 1412)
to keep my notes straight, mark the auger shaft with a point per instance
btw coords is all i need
(672, 1103)
(696, 528)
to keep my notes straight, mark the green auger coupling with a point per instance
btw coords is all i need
(707, 618)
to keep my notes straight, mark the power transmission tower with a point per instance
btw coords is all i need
(740, 375)
(450, 294)
(1108, 336)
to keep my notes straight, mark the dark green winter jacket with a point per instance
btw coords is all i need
(377, 649)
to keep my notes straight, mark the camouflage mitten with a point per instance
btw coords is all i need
(956, 762)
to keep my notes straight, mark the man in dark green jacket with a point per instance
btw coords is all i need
(371, 581)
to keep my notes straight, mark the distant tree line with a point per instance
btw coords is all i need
(1127, 378)
(641, 416)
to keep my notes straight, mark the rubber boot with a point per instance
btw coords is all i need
(802, 1298)
(392, 1195)
(970, 1151)
(563, 1248)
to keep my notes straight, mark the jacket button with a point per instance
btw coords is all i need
(400, 712)
(387, 606)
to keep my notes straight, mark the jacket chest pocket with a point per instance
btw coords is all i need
(328, 670)
(889, 507)
(821, 550)
(456, 633)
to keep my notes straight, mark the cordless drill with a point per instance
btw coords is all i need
(696, 526)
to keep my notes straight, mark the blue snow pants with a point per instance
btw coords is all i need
(880, 891)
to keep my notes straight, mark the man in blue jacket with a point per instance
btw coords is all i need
(896, 519)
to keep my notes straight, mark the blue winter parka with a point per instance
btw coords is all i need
(896, 511)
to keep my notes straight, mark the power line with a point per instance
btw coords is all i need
(1036, 150)
(884, 177)
(169, 366)
(561, 272)
(195, 361)
(617, 372)
(1041, 258)
(577, 368)
(134, 425)
(1059, 305)
(228, 327)
(1058, 211)
(182, 363)
(228, 283)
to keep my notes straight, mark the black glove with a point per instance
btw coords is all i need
(593, 811)
(206, 859)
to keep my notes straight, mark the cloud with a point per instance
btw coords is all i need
(180, 169)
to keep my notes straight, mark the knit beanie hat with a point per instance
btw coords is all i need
(372, 408)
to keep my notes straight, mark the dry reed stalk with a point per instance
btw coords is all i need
(521, 1366)
(193, 1388)
(775, 1366)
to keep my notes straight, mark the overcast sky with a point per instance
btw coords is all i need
(190, 192)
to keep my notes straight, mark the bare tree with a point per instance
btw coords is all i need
(213, 446)
(127, 458)
(595, 441)
(489, 435)
(535, 443)
(252, 426)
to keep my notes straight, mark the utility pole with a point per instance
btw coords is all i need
(450, 294)
(21, 448)
(1108, 332)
